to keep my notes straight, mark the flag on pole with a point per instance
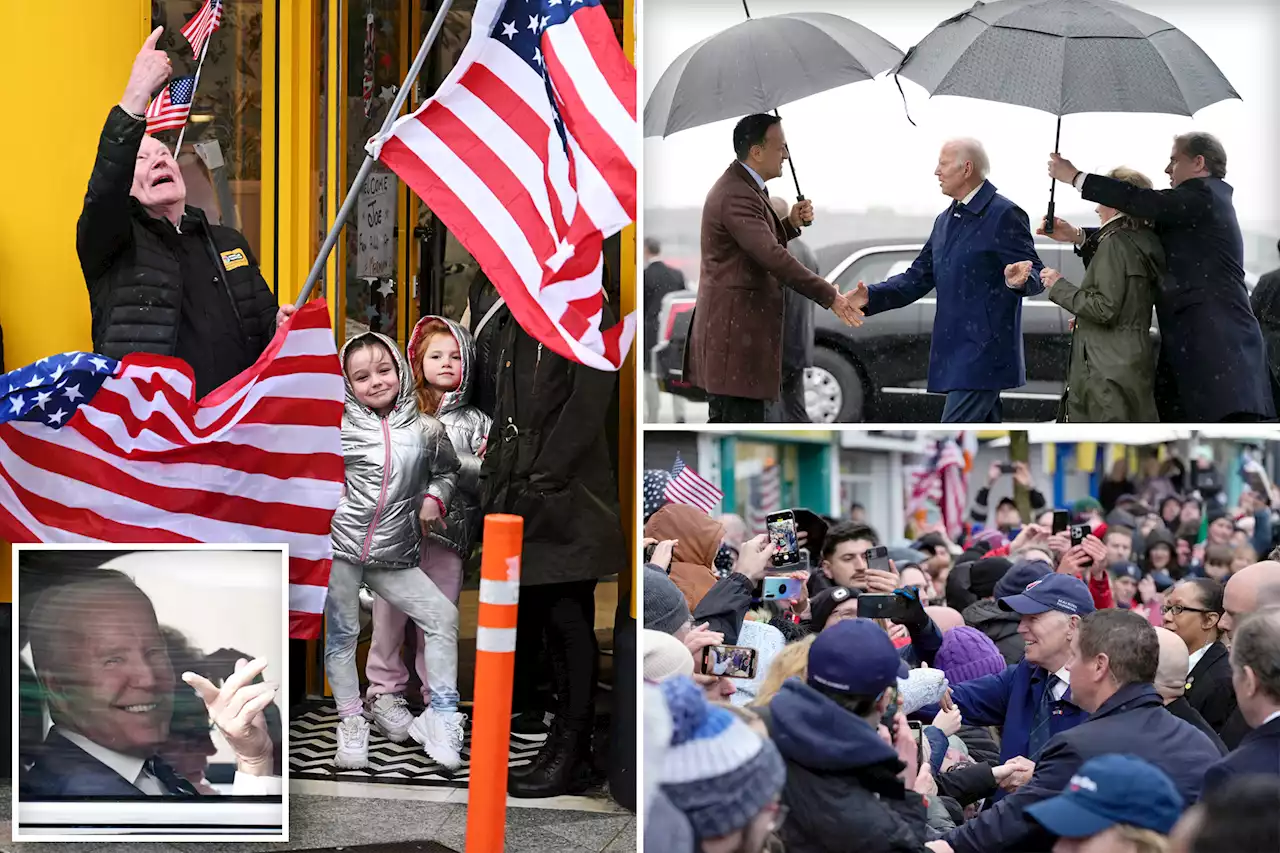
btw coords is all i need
(169, 110)
(95, 450)
(370, 59)
(527, 153)
(686, 487)
(203, 25)
(766, 497)
(942, 481)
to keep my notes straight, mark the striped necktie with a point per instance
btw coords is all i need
(1040, 733)
(174, 784)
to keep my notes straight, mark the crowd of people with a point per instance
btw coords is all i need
(1114, 692)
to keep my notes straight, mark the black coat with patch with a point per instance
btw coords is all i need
(133, 269)
(1209, 688)
(548, 460)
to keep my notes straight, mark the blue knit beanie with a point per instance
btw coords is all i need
(967, 653)
(717, 771)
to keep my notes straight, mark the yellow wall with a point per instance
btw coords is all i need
(44, 306)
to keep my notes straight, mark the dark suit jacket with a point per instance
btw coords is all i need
(63, 769)
(977, 329)
(797, 335)
(1265, 301)
(1182, 709)
(1209, 336)
(659, 280)
(735, 343)
(1209, 688)
(1259, 752)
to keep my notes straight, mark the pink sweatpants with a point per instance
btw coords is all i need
(385, 667)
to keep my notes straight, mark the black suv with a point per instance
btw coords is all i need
(879, 372)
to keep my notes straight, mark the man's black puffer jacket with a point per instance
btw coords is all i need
(134, 275)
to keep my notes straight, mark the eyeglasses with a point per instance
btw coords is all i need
(1179, 609)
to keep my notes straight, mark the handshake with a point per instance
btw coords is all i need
(849, 306)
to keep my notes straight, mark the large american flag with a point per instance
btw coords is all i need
(527, 153)
(169, 109)
(943, 480)
(686, 487)
(95, 450)
(202, 25)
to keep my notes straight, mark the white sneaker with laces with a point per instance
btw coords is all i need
(392, 717)
(353, 743)
(454, 724)
(431, 730)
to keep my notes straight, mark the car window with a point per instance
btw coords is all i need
(875, 267)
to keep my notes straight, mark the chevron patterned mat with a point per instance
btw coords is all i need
(312, 740)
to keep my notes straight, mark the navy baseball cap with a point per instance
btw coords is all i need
(1063, 593)
(855, 656)
(1107, 790)
(1128, 570)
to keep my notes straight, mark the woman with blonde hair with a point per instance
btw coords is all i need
(792, 661)
(1112, 370)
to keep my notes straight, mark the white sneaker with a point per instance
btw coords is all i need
(391, 716)
(432, 731)
(454, 724)
(353, 743)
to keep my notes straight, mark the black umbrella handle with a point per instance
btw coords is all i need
(1053, 183)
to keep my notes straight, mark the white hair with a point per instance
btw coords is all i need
(974, 152)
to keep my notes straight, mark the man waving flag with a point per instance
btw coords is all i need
(95, 450)
(527, 153)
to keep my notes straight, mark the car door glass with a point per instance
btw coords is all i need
(875, 267)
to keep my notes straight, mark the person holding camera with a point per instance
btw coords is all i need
(849, 776)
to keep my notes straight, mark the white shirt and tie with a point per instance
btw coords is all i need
(1061, 681)
(133, 769)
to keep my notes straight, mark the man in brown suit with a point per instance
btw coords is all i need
(735, 344)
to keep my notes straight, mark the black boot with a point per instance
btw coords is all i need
(562, 766)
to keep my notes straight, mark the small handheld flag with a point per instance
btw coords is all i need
(203, 25)
(170, 109)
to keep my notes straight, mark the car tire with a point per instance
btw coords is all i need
(833, 389)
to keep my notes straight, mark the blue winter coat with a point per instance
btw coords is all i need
(977, 329)
(1009, 699)
(1258, 753)
(1134, 722)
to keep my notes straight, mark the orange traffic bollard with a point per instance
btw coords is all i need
(495, 672)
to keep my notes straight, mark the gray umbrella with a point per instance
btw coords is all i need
(761, 64)
(1066, 56)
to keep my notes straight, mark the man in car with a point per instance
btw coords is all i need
(1211, 348)
(981, 260)
(162, 279)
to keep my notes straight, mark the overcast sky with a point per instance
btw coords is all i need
(854, 148)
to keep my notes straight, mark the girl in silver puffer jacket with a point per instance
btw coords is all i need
(442, 358)
(401, 473)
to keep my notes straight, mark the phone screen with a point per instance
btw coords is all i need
(729, 661)
(878, 558)
(782, 535)
(1061, 520)
(917, 733)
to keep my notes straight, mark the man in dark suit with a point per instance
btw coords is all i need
(735, 340)
(797, 335)
(105, 672)
(660, 278)
(1255, 661)
(1116, 653)
(1171, 684)
(1211, 348)
(1192, 610)
(1247, 591)
(1265, 302)
(982, 262)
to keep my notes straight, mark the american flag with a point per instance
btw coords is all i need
(766, 497)
(95, 450)
(686, 487)
(169, 110)
(943, 480)
(528, 154)
(198, 30)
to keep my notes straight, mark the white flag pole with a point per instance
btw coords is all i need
(353, 193)
(194, 85)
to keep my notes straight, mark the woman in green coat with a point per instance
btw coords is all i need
(1112, 372)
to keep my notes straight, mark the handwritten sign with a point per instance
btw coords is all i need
(376, 231)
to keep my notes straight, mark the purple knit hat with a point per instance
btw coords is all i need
(966, 654)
